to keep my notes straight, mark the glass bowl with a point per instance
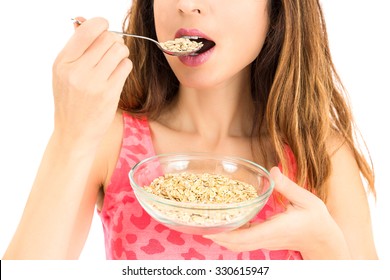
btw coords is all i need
(194, 217)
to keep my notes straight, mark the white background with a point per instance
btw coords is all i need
(33, 32)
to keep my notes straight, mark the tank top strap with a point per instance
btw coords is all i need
(136, 146)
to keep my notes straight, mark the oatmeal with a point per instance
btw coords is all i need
(201, 189)
(181, 45)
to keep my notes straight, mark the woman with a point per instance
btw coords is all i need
(266, 91)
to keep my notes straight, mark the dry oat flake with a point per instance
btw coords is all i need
(181, 45)
(201, 188)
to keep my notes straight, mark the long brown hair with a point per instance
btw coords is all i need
(299, 99)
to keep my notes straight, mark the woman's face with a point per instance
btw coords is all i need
(237, 27)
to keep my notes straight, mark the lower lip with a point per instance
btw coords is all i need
(196, 60)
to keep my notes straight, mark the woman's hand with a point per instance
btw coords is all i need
(88, 77)
(305, 226)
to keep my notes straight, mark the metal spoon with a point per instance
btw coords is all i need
(192, 51)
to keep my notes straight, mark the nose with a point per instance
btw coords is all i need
(191, 7)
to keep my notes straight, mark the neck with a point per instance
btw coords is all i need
(214, 113)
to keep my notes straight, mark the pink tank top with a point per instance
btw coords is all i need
(130, 233)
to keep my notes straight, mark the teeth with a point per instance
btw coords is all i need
(191, 37)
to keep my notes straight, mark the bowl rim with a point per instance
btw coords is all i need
(202, 206)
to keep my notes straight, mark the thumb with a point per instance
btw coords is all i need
(295, 194)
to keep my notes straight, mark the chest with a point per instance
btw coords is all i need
(168, 141)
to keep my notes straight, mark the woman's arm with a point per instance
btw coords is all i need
(348, 205)
(88, 76)
(59, 210)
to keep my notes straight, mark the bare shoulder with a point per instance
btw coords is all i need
(345, 182)
(344, 168)
(347, 200)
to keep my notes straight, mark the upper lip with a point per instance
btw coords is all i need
(191, 32)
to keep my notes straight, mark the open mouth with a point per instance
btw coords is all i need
(207, 44)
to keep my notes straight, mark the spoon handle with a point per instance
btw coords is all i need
(123, 34)
(135, 36)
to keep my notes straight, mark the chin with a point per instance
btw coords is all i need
(198, 83)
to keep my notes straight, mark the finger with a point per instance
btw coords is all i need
(83, 37)
(234, 240)
(77, 20)
(238, 235)
(100, 47)
(119, 75)
(109, 62)
(258, 235)
(297, 195)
